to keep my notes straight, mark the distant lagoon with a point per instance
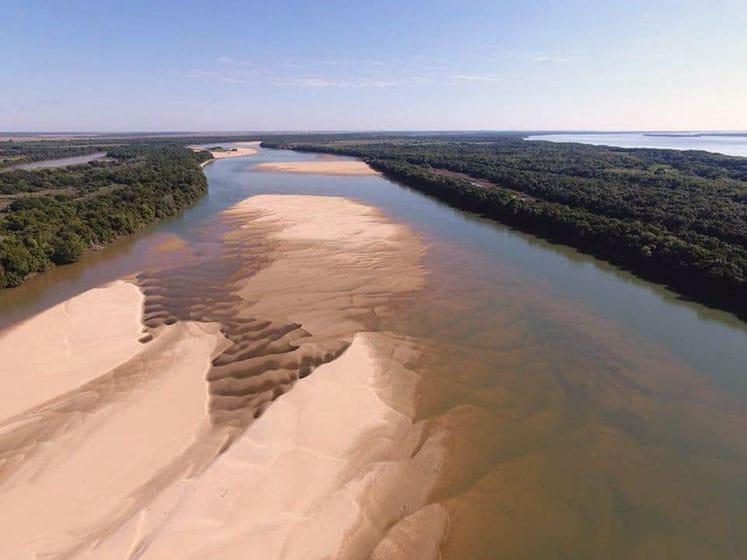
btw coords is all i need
(732, 144)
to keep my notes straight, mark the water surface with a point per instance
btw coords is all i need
(735, 145)
(60, 162)
(592, 414)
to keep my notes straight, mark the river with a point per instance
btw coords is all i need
(731, 145)
(591, 414)
(60, 162)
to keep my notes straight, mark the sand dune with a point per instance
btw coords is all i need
(265, 416)
(322, 167)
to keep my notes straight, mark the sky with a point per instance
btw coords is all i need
(111, 65)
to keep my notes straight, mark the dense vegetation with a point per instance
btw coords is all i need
(53, 215)
(671, 216)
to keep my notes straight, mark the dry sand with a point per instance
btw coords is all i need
(234, 152)
(68, 345)
(322, 167)
(238, 149)
(155, 451)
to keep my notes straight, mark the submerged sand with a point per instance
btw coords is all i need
(321, 167)
(265, 415)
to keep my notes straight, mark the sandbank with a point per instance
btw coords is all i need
(265, 417)
(237, 149)
(69, 345)
(233, 152)
(321, 167)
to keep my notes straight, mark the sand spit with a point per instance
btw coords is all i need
(68, 345)
(323, 167)
(263, 416)
(237, 149)
(234, 152)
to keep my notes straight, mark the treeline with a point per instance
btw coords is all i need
(675, 217)
(21, 151)
(97, 203)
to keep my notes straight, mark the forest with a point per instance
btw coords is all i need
(675, 217)
(52, 216)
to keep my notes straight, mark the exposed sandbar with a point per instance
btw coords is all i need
(69, 345)
(266, 417)
(322, 474)
(233, 152)
(237, 149)
(321, 167)
(102, 448)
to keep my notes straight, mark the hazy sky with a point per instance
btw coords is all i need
(436, 64)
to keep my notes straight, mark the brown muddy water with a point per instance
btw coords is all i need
(590, 414)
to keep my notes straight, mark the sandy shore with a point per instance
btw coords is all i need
(68, 345)
(322, 167)
(234, 152)
(238, 149)
(265, 417)
(96, 415)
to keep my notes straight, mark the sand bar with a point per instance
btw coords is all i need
(237, 149)
(68, 345)
(321, 167)
(265, 418)
(294, 486)
(110, 445)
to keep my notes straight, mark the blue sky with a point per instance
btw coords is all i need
(605, 65)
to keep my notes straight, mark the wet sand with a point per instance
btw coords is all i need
(245, 400)
(322, 167)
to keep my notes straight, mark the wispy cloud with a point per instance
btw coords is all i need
(332, 73)
(327, 82)
(476, 78)
(213, 76)
(551, 58)
(228, 61)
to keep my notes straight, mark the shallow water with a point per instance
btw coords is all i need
(728, 145)
(591, 414)
(60, 162)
